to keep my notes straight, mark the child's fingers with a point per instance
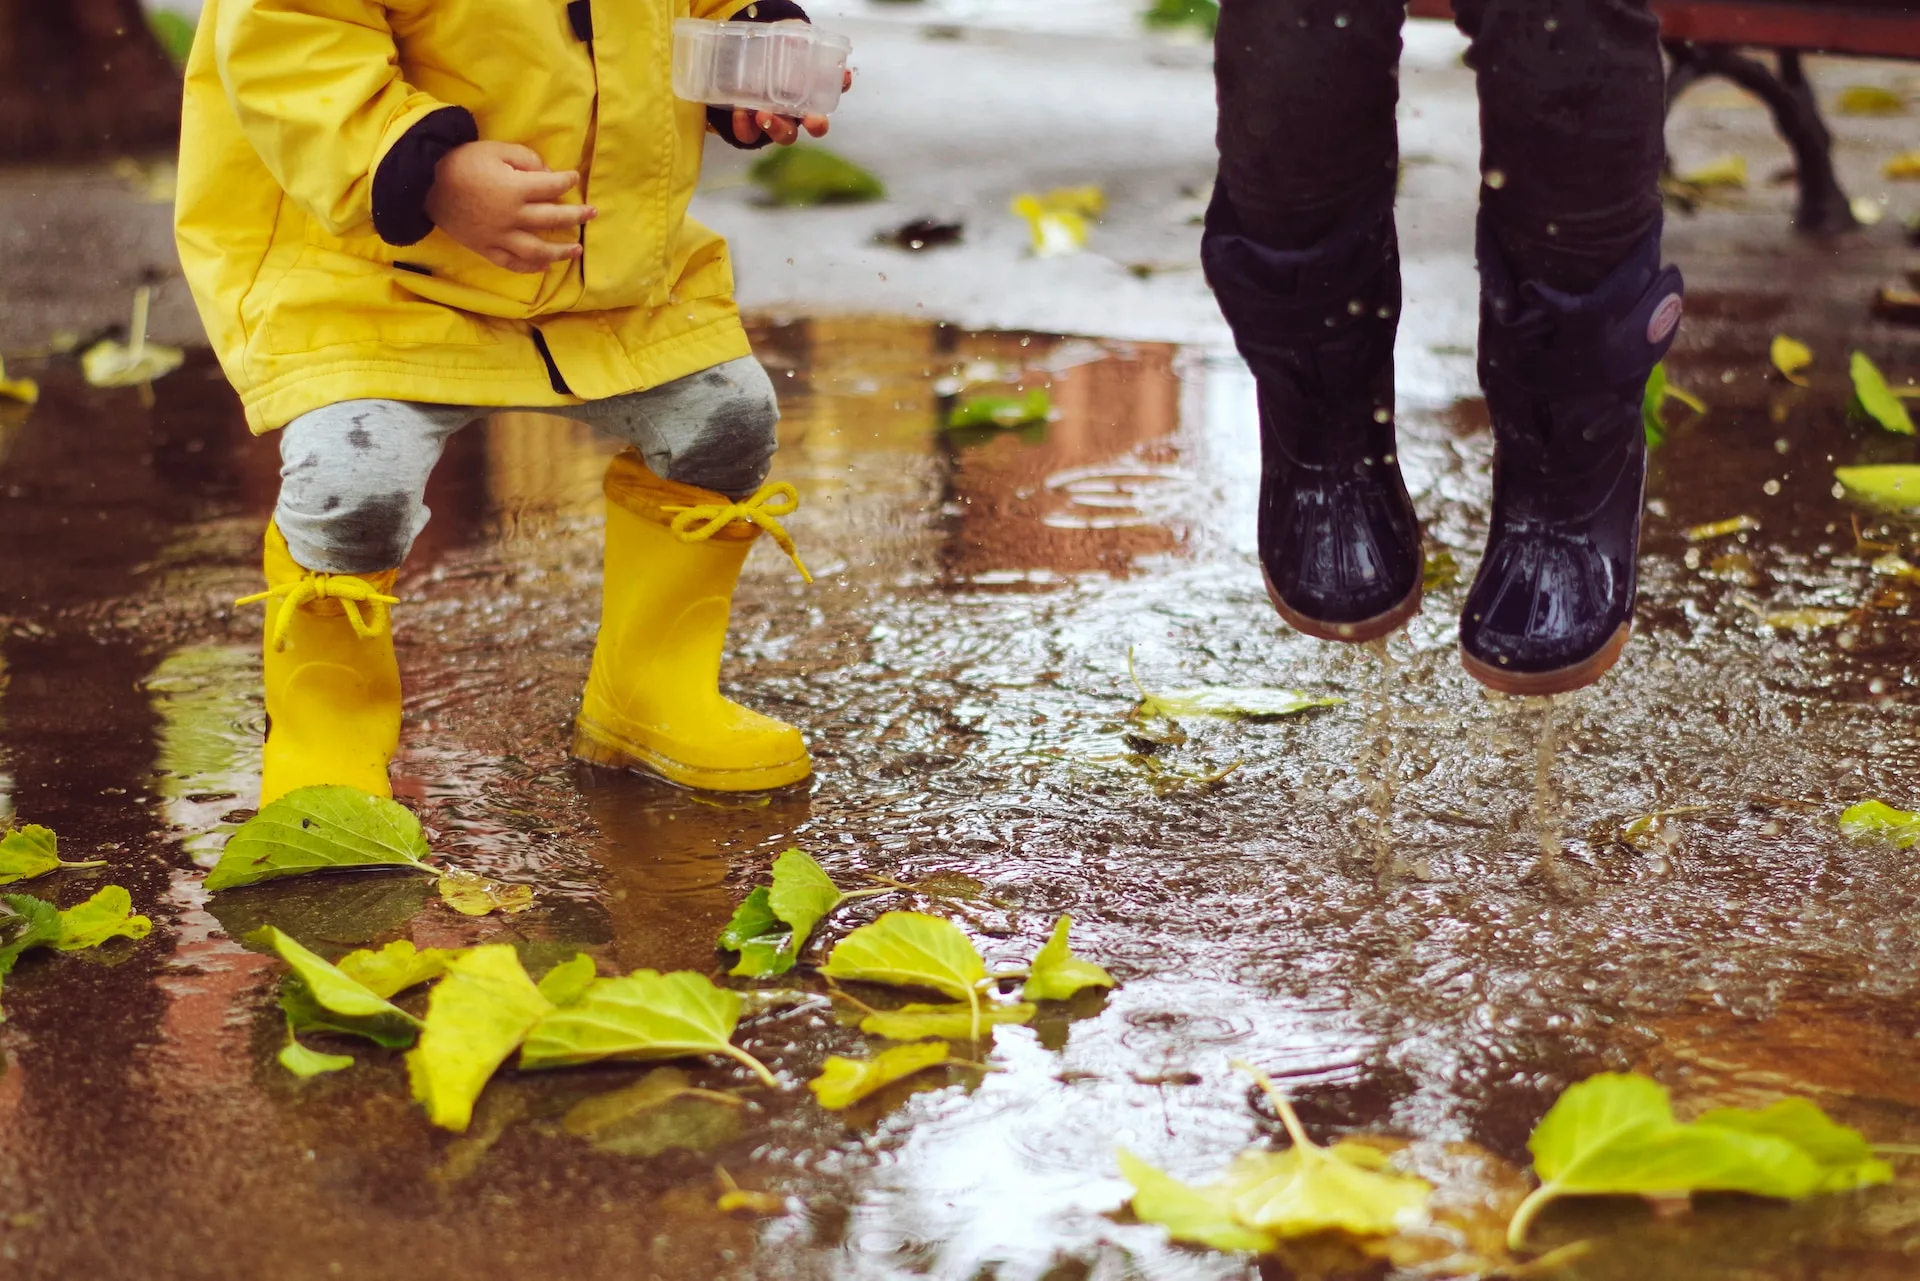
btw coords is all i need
(531, 249)
(815, 125)
(552, 217)
(541, 188)
(744, 129)
(779, 128)
(525, 159)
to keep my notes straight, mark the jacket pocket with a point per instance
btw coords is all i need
(328, 299)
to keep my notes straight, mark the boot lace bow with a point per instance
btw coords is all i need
(698, 523)
(352, 592)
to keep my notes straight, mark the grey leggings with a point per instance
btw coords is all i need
(353, 475)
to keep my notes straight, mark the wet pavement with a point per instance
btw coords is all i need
(1419, 910)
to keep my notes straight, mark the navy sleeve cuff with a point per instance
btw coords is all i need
(405, 176)
(721, 118)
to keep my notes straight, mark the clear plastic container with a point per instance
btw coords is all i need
(790, 67)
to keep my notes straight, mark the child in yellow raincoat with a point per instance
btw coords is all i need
(399, 216)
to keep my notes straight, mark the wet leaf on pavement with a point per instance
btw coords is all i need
(1871, 100)
(1876, 398)
(1660, 390)
(471, 894)
(645, 1015)
(843, 1082)
(308, 1063)
(1890, 485)
(1727, 173)
(568, 981)
(107, 915)
(25, 923)
(1904, 167)
(661, 1112)
(396, 967)
(319, 996)
(24, 390)
(801, 895)
(909, 949)
(1057, 973)
(1615, 1135)
(321, 829)
(796, 177)
(1843, 1155)
(1721, 528)
(1439, 570)
(1790, 356)
(917, 1022)
(1877, 818)
(761, 938)
(30, 851)
(477, 1016)
(136, 362)
(1199, 1215)
(1243, 702)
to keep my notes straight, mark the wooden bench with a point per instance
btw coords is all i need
(1705, 38)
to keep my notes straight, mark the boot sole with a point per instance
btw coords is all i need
(598, 746)
(1365, 629)
(1559, 681)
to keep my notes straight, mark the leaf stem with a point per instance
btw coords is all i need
(973, 1003)
(1523, 1218)
(759, 1068)
(1897, 1149)
(94, 862)
(851, 895)
(1288, 1117)
(834, 989)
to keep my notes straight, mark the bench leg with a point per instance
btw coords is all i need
(1823, 206)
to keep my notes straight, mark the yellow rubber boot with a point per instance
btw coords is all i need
(333, 687)
(653, 700)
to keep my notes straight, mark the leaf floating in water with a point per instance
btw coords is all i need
(1896, 566)
(31, 851)
(909, 949)
(1904, 167)
(1876, 398)
(1615, 1135)
(917, 1022)
(396, 967)
(471, 894)
(1653, 402)
(1878, 819)
(1234, 702)
(1057, 973)
(733, 1198)
(477, 1016)
(25, 923)
(24, 390)
(1721, 528)
(1199, 1215)
(1790, 356)
(1871, 100)
(107, 915)
(796, 177)
(320, 996)
(1728, 173)
(321, 829)
(661, 1112)
(843, 1082)
(1890, 485)
(802, 895)
(306, 1064)
(1036, 406)
(646, 1015)
(137, 362)
(568, 981)
(1441, 570)
(770, 926)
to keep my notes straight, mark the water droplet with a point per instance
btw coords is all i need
(1727, 375)
(1355, 307)
(1382, 415)
(1771, 488)
(1390, 459)
(1496, 178)
(1553, 229)
(1386, 313)
(1553, 24)
(1878, 685)
(1341, 20)
(1838, 490)
(1780, 446)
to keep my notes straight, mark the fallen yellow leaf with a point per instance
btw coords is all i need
(24, 390)
(1790, 356)
(1871, 100)
(1728, 172)
(1721, 528)
(1904, 167)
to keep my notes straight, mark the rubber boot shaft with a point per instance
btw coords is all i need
(1339, 541)
(1564, 376)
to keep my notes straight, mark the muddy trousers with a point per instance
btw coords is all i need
(1572, 104)
(354, 475)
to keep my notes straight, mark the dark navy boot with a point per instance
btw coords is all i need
(1339, 543)
(1552, 604)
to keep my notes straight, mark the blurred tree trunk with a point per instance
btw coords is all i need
(83, 78)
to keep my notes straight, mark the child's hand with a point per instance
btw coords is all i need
(498, 198)
(785, 130)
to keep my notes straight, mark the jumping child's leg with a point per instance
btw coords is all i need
(684, 505)
(352, 481)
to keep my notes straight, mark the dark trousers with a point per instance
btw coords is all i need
(1572, 105)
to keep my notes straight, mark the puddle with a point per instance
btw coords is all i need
(1358, 907)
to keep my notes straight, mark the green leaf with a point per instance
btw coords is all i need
(107, 915)
(646, 1015)
(320, 829)
(568, 981)
(1036, 406)
(844, 1082)
(1201, 1215)
(30, 851)
(1614, 1134)
(660, 1112)
(1845, 1158)
(812, 175)
(306, 1064)
(1659, 391)
(471, 894)
(1200, 16)
(948, 1022)
(1876, 397)
(802, 895)
(1224, 700)
(320, 997)
(477, 1016)
(1875, 818)
(25, 923)
(1892, 485)
(910, 949)
(753, 919)
(396, 967)
(174, 32)
(1308, 1189)
(1057, 973)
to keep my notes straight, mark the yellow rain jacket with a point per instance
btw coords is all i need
(290, 107)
